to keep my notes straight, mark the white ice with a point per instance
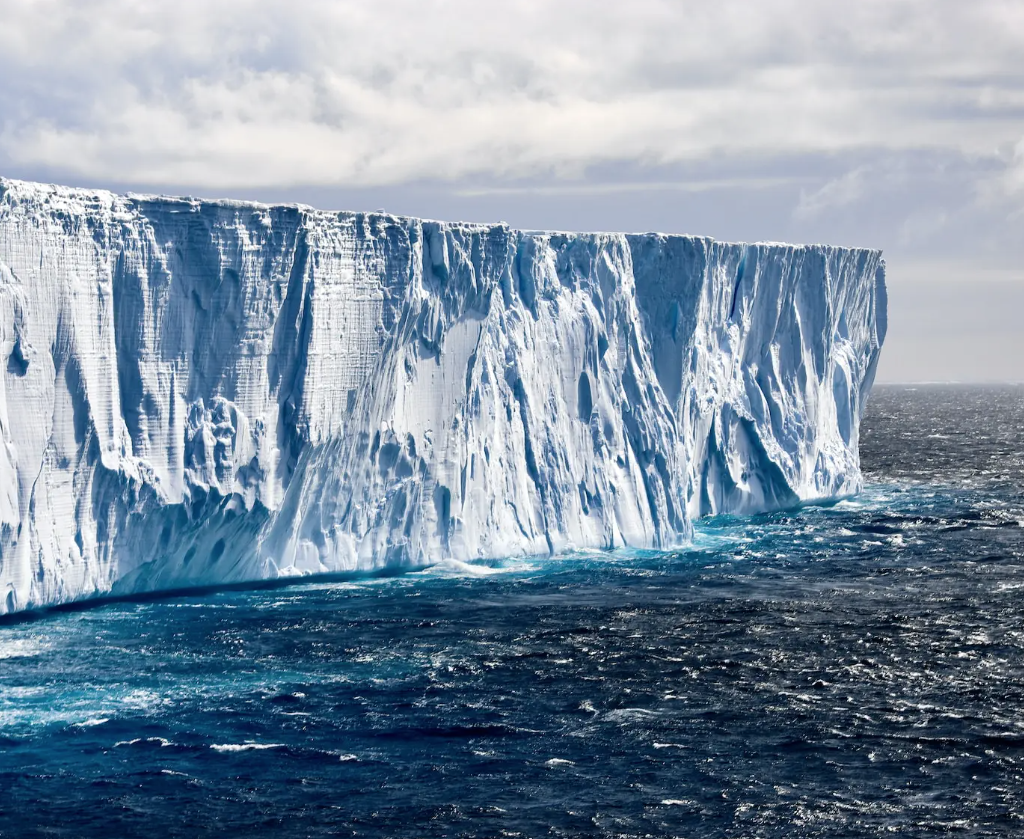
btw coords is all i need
(199, 392)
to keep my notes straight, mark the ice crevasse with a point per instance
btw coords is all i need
(202, 392)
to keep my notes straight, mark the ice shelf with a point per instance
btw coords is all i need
(199, 392)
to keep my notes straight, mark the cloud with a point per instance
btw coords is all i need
(922, 226)
(243, 93)
(1000, 186)
(838, 192)
(1013, 181)
(583, 188)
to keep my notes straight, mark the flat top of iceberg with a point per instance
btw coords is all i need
(78, 197)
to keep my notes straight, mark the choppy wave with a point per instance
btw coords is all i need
(852, 669)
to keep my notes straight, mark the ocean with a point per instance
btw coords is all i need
(841, 670)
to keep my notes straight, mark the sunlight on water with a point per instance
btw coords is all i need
(847, 669)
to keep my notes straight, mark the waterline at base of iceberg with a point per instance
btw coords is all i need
(853, 668)
(211, 392)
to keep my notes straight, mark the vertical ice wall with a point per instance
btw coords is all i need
(198, 392)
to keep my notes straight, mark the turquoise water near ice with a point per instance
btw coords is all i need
(852, 669)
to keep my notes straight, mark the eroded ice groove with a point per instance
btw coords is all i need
(204, 392)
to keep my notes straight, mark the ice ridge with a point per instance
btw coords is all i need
(199, 392)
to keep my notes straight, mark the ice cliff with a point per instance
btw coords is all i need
(214, 391)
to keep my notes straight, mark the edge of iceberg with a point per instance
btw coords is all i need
(198, 392)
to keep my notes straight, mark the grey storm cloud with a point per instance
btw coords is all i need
(248, 93)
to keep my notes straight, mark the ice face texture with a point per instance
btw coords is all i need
(200, 392)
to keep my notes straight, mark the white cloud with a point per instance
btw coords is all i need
(1001, 187)
(583, 188)
(838, 192)
(344, 92)
(1014, 178)
(922, 226)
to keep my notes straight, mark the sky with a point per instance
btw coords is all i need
(897, 125)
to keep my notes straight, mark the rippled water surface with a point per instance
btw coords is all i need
(849, 670)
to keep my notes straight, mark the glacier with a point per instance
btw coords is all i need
(202, 392)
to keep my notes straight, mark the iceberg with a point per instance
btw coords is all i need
(202, 392)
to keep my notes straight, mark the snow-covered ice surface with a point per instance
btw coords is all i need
(197, 392)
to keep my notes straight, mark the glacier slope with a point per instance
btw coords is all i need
(202, 392)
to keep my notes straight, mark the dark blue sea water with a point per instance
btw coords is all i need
(845, 670)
